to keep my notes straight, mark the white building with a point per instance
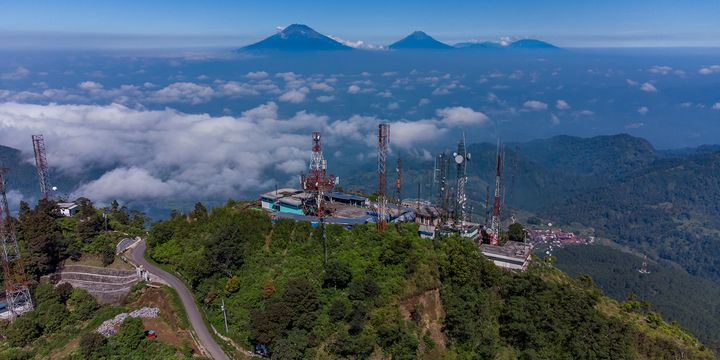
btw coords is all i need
(68, 208)
(513, 255)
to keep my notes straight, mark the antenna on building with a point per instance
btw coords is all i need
(17, 294)
(496, 201)
(487, 204)
(383, 145)
(42, 166)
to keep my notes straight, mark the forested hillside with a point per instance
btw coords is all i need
(670, 209)
(689, 300)
(360, 293)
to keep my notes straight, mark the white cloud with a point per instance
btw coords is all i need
(256, 75)
(643, 110)
(148, 154)
(325, 98)
(294, 96)
(321, 86)
(535, 105)
(461, 116)
(393, 106)
(636, 125)
(562, 105)
(129, 183)
(90, 85)
(424, 101)
(632, 82)
(554, 119)
(663, 70)
(17, 74)
(183, 92)
(709, 70)
(385, 94)
(648, 87)
(353, 89)
(716, 106)
(358, 44)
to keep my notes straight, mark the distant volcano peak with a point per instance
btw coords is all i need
(419, 40)
(297, 37)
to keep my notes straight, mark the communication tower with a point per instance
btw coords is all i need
(383, 147)
(17, 294)
(317, 181)
(461, 158)
(42, 165)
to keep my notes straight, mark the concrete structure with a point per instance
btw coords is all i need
(340, 208)
(107, 285)
(427, 216)
(68, 208)
(512, 255)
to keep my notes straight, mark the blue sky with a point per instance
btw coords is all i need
(569, 23)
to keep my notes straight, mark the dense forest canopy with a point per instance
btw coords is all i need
(373, 294)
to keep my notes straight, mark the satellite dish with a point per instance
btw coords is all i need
(54, 188)
(459, 158)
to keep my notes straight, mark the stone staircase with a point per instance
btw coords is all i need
(105, 284)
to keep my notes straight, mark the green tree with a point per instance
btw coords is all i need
(23, 330)
(93, 345)
(43, 238)
(516, 232)
(90, 223)
(81, 304)
(130, 335)
(337, 275)
(292, 346)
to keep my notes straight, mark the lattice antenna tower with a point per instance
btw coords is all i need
(383, 147)
(495, 226)
(317, 181)
(441, 163)
(398, 182)
(42, 166)
(17, 294)
(461, 158)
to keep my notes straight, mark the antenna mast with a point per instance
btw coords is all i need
(317, 181)
(383, 145)
(17, 293)
(398, 182)
(496, 201)
(443, 194)
(461, 158)
(42, 165)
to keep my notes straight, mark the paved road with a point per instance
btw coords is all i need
(191, 309)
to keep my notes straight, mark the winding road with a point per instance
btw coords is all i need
(204, 336)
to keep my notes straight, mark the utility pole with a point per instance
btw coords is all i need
(224, 316)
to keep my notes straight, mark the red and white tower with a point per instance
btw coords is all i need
(17, 293)
(42, 165)
(383, 147)
(317, 181)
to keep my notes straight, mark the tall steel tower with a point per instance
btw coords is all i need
(398, 182)
(441, 164)
(42, 165)
(383, 147)
(17, 293)
(317, 181)
(461, 158)
(496, 201)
